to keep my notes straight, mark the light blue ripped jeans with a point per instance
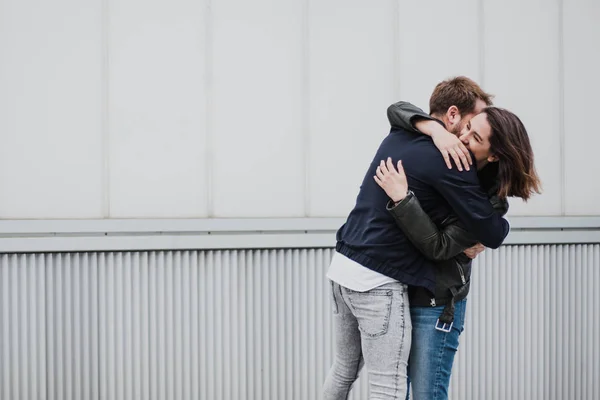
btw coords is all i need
(373, 326)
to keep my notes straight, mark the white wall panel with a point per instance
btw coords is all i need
(50, 109)
(258, 108)
(522, 68)
(438, 39)
(581, 103)
(229, 108)
(157, 108)
(352, 81)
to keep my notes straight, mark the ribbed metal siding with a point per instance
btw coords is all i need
(257, 325)
(533, 327)
(22, 327)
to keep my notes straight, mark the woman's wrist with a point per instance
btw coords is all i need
(438, 131)
(429, 127)
(399, 197)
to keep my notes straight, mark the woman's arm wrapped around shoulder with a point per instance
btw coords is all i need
(403, 115)
(407, 116)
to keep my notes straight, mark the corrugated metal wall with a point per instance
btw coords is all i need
(257, 325)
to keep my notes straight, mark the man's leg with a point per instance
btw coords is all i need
(432, 352)
(384, 322)
(348, 353)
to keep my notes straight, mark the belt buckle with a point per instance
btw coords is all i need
(443, 326)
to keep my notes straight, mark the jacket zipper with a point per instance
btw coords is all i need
(462, 273)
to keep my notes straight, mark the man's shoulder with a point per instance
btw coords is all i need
(417, 141)
(407, 134)
(419, 149)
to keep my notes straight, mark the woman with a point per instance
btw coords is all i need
(504, 159)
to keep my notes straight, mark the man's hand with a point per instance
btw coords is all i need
(474, 251)
(392, 181)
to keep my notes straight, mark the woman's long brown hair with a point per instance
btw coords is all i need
(509, 142)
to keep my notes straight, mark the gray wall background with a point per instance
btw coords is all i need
(271, 108)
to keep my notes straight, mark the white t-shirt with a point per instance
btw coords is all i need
(350, 274)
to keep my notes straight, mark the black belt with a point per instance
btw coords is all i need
(446, 319)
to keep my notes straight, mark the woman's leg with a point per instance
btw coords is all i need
(432, 352)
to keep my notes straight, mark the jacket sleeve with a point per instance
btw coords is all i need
(472, 206)
(434, 243)
(403, 115)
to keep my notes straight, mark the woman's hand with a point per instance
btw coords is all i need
(447, 143)
(391, 180)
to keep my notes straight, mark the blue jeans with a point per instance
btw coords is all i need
(374, 327)
(432, 352)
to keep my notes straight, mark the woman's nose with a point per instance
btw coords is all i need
(465, 139)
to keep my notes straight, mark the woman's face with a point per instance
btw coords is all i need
(476, 137)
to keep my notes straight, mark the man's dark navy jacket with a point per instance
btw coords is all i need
(370, 235)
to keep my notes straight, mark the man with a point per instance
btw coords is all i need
(375, 262)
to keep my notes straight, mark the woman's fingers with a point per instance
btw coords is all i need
(465, 153)
(378, 180)
(461, 155)
(446, 158)
(392, 181)
(380, 173)
(383, 167)
(463, 159)
(386, 168)
(456, 159)
(390, 165)
(401, 168)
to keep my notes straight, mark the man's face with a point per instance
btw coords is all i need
(458, 128)
(476, 137)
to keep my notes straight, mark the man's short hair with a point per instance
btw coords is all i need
(461, 92)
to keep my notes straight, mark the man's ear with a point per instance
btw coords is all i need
(453, 116)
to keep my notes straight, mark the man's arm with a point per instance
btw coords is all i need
(472, 206)
(403, 115)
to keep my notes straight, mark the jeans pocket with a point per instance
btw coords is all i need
(372, 310)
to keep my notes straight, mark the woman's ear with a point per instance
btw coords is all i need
(492, 158)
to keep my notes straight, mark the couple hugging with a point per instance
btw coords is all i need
(433, 198)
